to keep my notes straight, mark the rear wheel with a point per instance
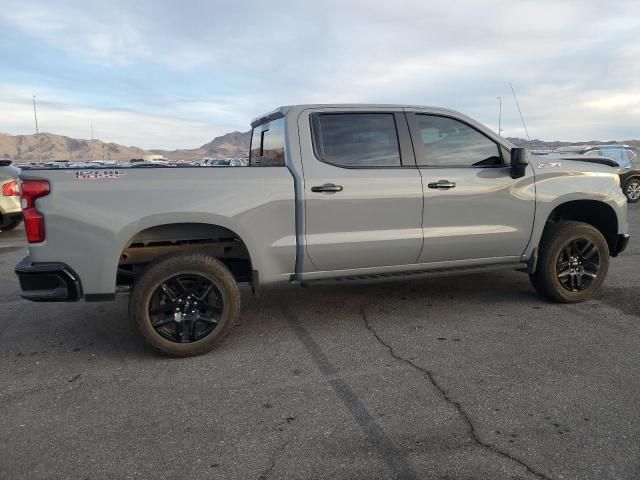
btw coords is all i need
(632, 190)
(184, 305)
(11, 225)
(573, 262)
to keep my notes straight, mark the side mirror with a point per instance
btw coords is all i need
(519, 162)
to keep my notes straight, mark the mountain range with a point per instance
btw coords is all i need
(229, 145)
(542, 145)
(23, 148)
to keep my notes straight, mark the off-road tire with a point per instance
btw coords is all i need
(556, 235)
(167, 267)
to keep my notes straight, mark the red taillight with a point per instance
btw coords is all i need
(33, 219)
(34, 225)
(11, 189)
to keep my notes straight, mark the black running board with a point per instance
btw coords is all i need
(414, 275)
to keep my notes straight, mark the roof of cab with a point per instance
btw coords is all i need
(285, 109)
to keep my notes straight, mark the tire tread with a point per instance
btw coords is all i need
(544, 280)
(172, 264)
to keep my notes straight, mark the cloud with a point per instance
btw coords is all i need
(219, 64)
(120, 126)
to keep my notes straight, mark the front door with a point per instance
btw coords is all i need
(473, 209)
(362, 190)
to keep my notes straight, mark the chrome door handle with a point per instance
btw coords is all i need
(442, 185)
(327, 188)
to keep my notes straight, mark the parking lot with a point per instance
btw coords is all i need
(471, 377)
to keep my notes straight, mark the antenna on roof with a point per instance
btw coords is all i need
(499, 115)
(521, 116)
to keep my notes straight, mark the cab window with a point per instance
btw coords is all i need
(356, 140)
(451, 143)
(267, 145)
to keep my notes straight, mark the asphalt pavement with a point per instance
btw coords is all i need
(471, 377)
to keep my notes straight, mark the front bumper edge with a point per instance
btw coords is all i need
(621, 245)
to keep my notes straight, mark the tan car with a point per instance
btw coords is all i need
(10, 211)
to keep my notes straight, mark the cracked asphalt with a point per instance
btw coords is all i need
(470, 377)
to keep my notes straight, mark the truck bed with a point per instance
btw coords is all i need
(91, 216)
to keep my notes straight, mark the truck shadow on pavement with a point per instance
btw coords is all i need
(104, 327)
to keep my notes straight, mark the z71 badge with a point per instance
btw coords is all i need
(543, 164)
(99, 174)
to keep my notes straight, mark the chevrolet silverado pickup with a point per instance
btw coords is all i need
(332, 193)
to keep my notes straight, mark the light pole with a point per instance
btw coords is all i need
(91, 144)
(35, 116)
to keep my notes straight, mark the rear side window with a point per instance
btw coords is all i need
(267, 145)
(622, 156)
(357, 139)
(451, 143)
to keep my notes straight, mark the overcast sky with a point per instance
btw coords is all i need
(173, 74)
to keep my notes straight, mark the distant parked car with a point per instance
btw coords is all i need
(80, 165)
(629, 160)
(223, 162)
(10, 210)
(219, 162)
(627, 157)
(149, 164)
(59, 164)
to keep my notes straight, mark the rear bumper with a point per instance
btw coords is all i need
(621, 245)
(48, 282)
(10, 205)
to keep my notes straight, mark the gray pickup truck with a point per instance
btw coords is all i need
(332, 193)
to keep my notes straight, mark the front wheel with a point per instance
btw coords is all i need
(632, 190)
(573, 262)
(185, 304)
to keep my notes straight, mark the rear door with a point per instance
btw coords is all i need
(363, 192)
(473, 209)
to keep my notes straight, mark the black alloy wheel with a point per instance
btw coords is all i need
(632, 190)
(578, 264)
(573, 262)
(185, 308)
